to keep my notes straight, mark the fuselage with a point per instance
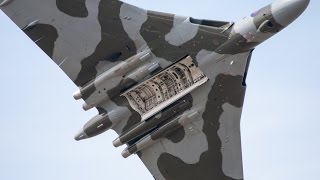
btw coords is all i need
(228, 39)
(247, 33)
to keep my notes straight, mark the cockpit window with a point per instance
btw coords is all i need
(270, 24)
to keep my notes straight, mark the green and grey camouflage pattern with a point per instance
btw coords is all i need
(171, 86)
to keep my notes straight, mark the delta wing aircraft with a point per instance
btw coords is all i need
(171, 86)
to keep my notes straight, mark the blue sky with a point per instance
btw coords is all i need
(280, 123)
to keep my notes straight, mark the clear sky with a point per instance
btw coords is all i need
(280, 123)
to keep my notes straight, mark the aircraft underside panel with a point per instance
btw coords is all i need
(156, 93)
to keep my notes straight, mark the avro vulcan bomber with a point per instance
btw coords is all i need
(171, 86)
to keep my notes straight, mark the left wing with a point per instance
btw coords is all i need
(206, 142)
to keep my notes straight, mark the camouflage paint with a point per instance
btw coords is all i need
(44, 35)
(76, 8)
(87, 38)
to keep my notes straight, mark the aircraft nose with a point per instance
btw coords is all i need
(286, 11)
(80, 136)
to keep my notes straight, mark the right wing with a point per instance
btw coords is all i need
(77, 34)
